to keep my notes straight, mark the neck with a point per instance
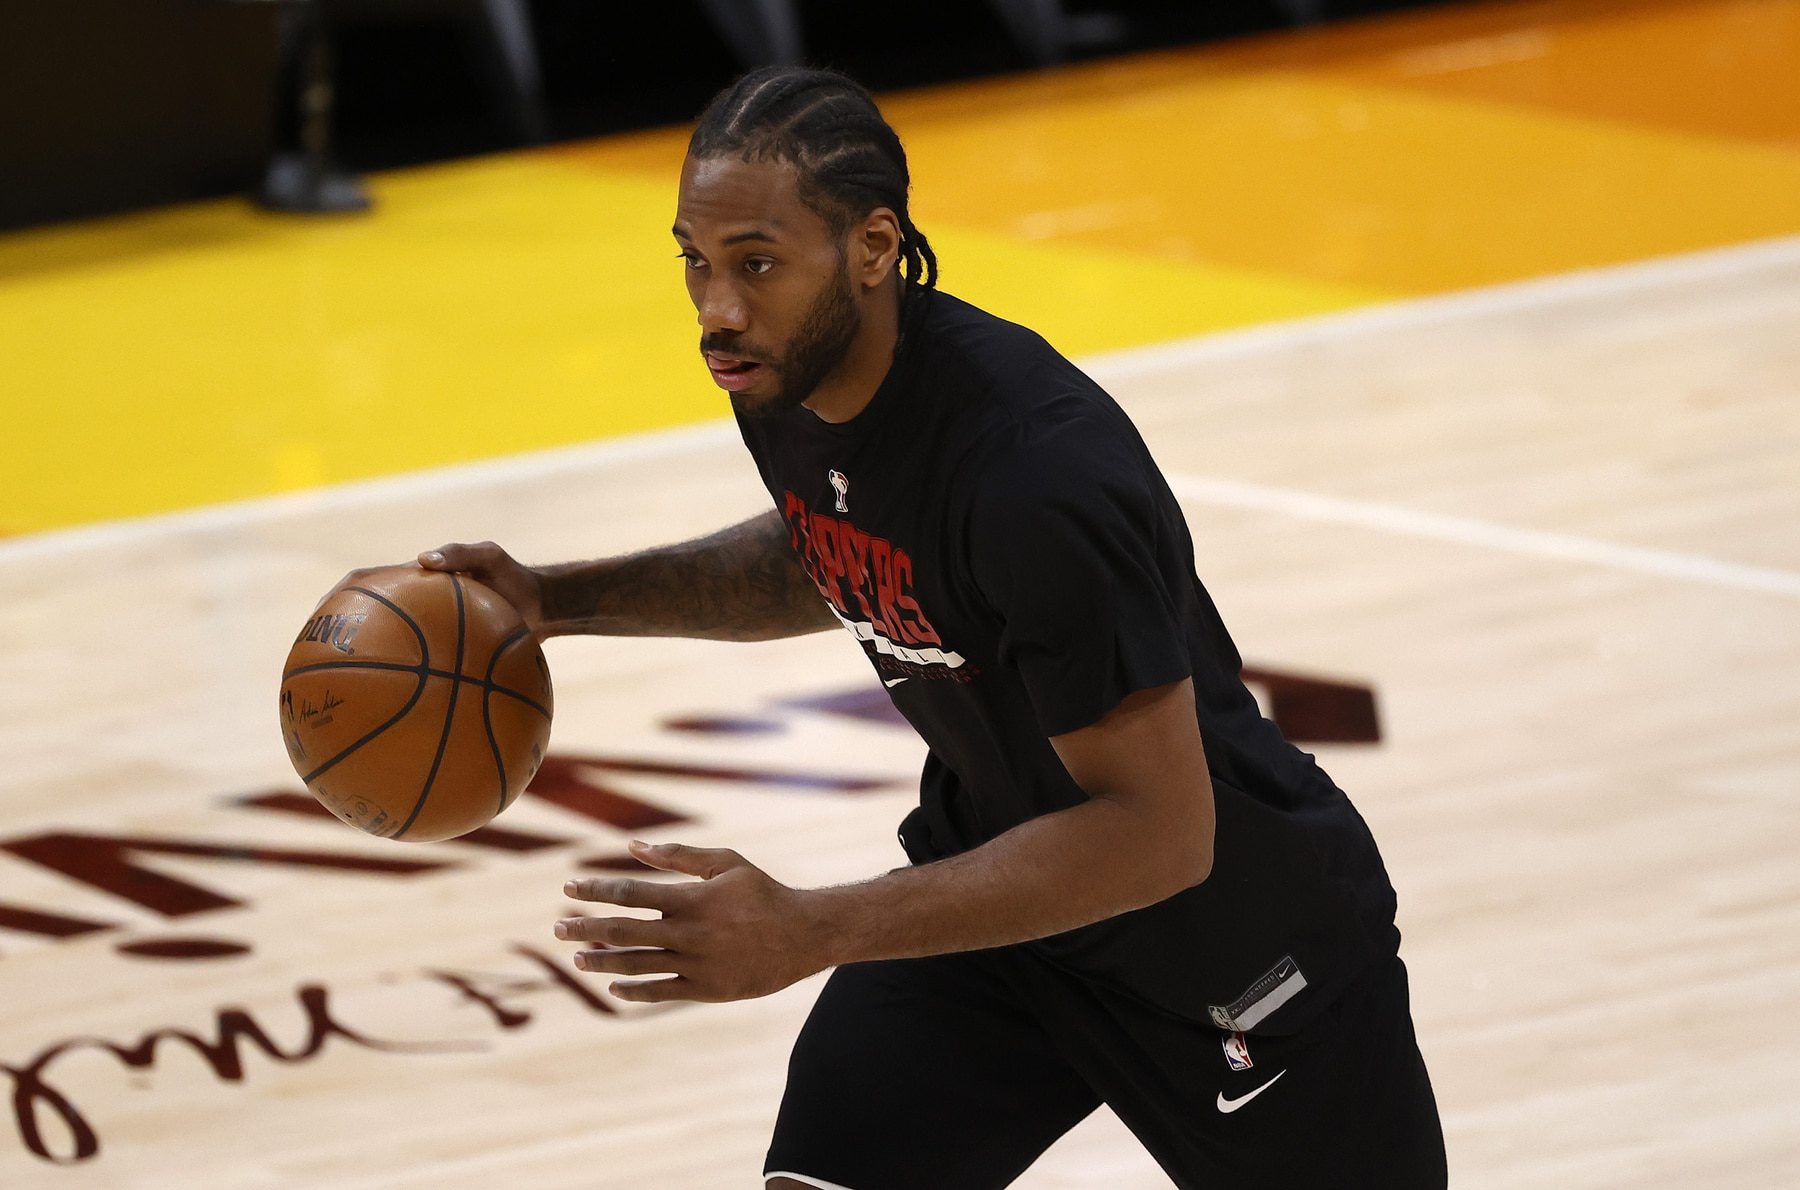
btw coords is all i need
(852, 384)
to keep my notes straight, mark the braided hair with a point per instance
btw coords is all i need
(849, 161)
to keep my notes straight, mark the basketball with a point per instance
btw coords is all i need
(415, 704)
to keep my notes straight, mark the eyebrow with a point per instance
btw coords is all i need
(755, 233)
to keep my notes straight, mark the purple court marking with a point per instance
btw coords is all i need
(723, 725)
(870, 704)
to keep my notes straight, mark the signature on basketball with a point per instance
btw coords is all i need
(308, 711)
(40, 1105)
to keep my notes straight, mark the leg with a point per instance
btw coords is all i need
(1382, 1115)
(921, 1073)
(1344, 1102)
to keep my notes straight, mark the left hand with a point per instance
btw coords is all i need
(734, 934)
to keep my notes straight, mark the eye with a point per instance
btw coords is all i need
(756, 266)
(692, 258)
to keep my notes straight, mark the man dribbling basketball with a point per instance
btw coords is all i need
(1126, 887)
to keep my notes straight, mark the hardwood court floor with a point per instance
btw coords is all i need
(1551, 525)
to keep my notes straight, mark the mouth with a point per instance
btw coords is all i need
(733, 373)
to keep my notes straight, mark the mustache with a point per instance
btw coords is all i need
(732, 344)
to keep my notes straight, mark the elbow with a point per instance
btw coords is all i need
(1191, 858)
(1197, 864)
(1184, 860)
(1203, 867)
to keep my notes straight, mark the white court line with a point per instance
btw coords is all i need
(1109, 368)
(1391, 518)
(1510, 297)
(538, 464)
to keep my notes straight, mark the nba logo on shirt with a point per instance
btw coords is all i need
(841, 486)
(1237, 1051)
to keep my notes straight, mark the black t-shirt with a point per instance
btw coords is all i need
(995, 534)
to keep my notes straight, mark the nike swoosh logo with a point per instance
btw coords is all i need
(1230, 1105)
(894, 681)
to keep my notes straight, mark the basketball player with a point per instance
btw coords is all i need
(1125, 886)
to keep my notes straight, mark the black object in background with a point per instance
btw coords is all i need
(303, 174)
(417, 92)
(112, 105)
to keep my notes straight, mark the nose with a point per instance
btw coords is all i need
(721, 307)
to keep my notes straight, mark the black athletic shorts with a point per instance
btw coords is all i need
(956, 1072)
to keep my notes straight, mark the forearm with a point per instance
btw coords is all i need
(1076, 866)
(742, 583)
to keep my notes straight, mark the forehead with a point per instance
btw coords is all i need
(720, 195)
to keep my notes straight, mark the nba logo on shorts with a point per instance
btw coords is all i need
(841, 485)
(1237, 1051)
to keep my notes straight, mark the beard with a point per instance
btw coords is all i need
(826, 332)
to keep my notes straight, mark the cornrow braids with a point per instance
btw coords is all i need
(848, 159)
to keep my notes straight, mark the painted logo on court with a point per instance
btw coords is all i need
(217, 870)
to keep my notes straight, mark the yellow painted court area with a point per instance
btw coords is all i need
(214, 352)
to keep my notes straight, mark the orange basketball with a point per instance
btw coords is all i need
(415, 704)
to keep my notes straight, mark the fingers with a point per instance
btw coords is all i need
(614, 931)
(633, 894)
(653, 991)
(705, 862)
(481, 556)
(642, 961)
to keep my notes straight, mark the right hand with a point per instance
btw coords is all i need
(488, 564)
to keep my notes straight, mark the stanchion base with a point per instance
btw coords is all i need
(296, 183)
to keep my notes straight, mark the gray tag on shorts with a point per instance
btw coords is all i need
(1282, 983)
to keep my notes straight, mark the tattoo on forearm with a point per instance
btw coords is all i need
(741, 583)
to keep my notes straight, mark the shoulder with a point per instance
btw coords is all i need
(966, 345)
(1033, 421)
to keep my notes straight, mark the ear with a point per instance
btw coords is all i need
(875, 247)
